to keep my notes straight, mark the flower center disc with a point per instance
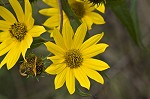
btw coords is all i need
(73, 58)
(18, 30)
(78, 8)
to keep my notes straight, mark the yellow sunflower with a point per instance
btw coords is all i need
(83, 10)
(17, 35)
(73, 58)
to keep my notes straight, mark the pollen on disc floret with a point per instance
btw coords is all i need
(18, 30)
(73, 58)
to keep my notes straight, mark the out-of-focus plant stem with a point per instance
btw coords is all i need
(61, 15)
(74, 21)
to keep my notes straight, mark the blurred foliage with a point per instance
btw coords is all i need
(127, 14)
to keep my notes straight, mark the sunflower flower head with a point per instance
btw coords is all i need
(78, 8)
(83, 10)
(73, 57)
(17, 33)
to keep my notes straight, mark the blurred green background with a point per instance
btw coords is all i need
(129, 75)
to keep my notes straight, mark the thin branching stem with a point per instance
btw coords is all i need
(61, 15)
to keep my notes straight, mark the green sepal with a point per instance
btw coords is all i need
(37, 42)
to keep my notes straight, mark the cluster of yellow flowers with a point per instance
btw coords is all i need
(73, 56)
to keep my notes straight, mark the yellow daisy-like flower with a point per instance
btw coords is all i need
(73, 58)
(17, 34)
(83, 10)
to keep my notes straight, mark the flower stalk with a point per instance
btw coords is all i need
(61, 15)
(75, 22)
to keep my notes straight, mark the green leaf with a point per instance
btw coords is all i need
(81, 93)
(114, 2)
(103, 73)
(133, 13)
(37, 42)
(129, 20)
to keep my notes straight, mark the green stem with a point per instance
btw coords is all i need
(61, 15)
(74, 21)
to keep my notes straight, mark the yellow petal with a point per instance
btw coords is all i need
(52, 3)
(49, 11)
(58, 39)
(4, 61)
(89, 7)
(91, 41)
(55, 49)
(95, 64)
(36, 31)
(79, 35)
(4, 36)
(55, 68)
(4, 25)
(29, 21)
(70, 81)
(82, 78)
(18, 10)
(6, 45)
(28, 40)
(52, 21)
(7, 15)
(88, 21)
(28, 9)
(56, 59)
(94, 50)
(96, 18)
(25, 44)
(67, 34)
(100, 8)
(14, 55)
(60, 79)
(93, 74)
